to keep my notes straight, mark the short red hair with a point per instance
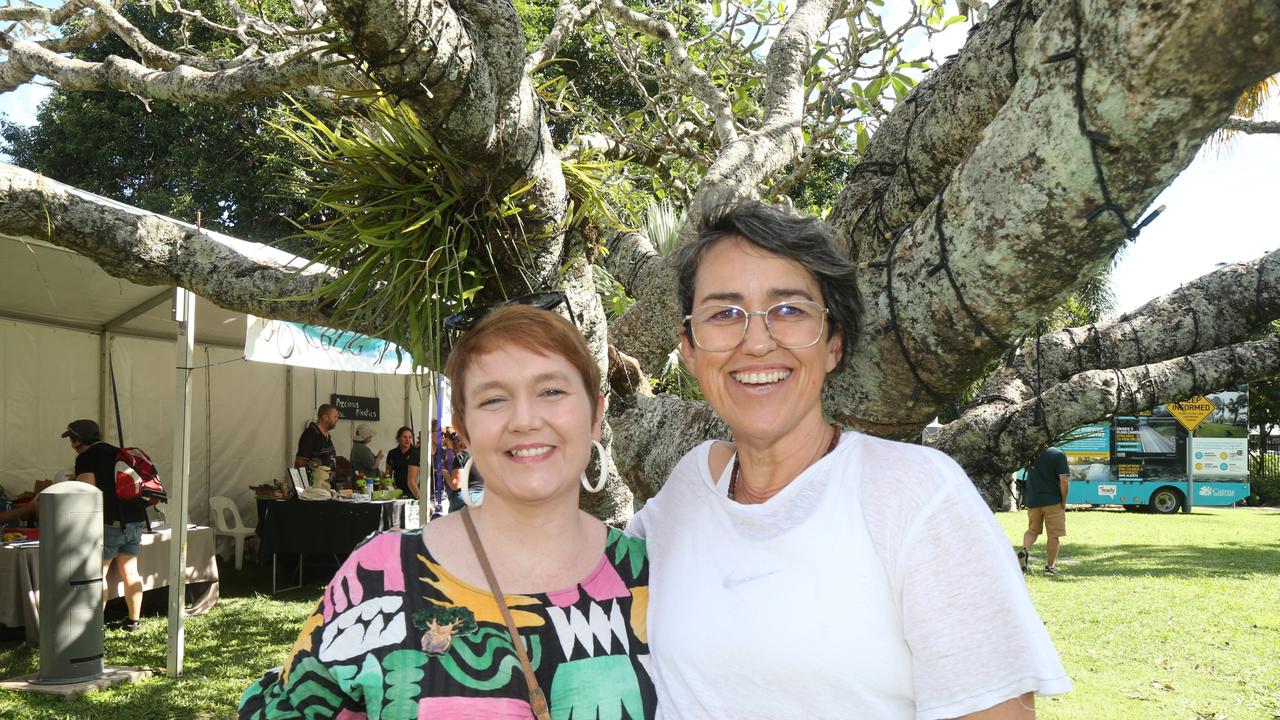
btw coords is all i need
(527, 327)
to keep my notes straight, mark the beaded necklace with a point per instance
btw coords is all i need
(733, 476)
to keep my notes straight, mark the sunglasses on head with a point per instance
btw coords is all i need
(547, 300)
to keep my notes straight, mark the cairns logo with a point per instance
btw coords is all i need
(1207, 491)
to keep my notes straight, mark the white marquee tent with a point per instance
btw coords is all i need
(60, 318)
(69, 332)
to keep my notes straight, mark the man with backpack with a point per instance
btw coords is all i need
(123, 519)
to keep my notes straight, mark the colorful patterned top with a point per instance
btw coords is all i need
(396, 636)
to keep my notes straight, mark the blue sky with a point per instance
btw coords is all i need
(1222, 209)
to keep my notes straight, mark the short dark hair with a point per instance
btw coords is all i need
(402, 431)
(806, 240)
(324, 409)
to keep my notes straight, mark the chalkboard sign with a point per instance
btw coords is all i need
(353, 407)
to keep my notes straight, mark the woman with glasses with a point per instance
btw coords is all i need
(803, 570)
(523, 607)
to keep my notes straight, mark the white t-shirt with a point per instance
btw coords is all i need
(876, 585)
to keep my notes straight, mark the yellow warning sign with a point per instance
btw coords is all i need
(1191, 412)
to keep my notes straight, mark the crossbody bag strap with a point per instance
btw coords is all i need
(537, 700)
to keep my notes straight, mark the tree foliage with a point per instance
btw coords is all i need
(181, 159)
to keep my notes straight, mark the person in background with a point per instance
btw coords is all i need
(438, 483)
(1048, 481)
(123, 519)
(20, 512)
(475, 482)
(315, 442)
(403, 462)
(805, 571)
(435, 622)
(362, 458)
(452, 469)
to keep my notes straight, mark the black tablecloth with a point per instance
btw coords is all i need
(324, 526)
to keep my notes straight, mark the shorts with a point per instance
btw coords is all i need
(1047, 517)
(121, 542)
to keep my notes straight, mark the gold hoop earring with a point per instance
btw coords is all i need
(604, 471)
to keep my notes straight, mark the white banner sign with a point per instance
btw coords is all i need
(1219, 457)
(287, 343)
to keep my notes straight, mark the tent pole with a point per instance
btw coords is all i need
(288, 419)
(184, 312)
(426, 476)
(104, 379)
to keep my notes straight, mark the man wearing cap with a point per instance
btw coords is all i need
(315, 443)
(362, 458)
(123, 520)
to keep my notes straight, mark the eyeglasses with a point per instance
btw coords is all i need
(793, 325)
(547, 300)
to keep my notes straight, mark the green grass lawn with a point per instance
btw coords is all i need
(246, 633)
(1155, 618)
(1164, 617)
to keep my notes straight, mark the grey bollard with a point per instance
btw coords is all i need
(70, 583)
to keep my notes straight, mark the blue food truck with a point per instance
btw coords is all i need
(1153, 461)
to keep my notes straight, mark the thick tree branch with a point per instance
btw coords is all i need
(93, 31)
(44, 15)
(914, 151)
(791, 55)
(982, 264)
(568, 17)
(148, 249)
(152, 54)
(460, 67)
(998, 437)
(1224, 307)
(653, 433)
(631, 258)
(1252, 126)
(255, 79)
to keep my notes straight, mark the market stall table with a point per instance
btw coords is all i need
(325, 527)
(20, 576)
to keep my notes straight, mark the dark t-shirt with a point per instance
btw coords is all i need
(315, 444)
(100, 459)
(362, 459)
(474, 481)
(399, 463)
(1042, 481)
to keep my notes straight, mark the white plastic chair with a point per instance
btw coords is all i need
(162, 511)
(220, 507)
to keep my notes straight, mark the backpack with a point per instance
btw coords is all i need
(136, 477)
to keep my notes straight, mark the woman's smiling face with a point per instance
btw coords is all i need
(763, 391)
(530, 422)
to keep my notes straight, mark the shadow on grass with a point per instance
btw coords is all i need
(245, 634)
(1233, 560)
